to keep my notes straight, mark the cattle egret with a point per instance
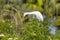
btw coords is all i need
(38, 15)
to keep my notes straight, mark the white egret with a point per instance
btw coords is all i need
(38, 15)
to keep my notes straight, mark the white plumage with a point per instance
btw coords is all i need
(38, 15)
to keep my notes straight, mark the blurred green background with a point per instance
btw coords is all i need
(14, 26)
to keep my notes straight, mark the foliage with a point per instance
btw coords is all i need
(16, 29)
(35, 31)
(57, 21)
(6, 27)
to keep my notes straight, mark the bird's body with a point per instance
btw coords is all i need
(38, 15)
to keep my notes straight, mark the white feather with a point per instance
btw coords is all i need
(38, 15)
